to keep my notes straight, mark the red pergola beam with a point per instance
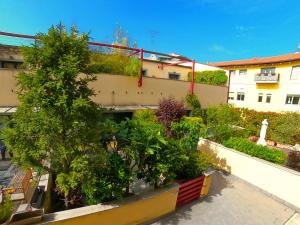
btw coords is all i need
(136, 50)
(174, 64)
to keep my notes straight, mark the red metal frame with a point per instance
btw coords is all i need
(189, 190)
(135, 51)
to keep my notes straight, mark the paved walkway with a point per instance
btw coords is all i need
(233, 202)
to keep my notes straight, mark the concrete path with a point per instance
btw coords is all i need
(232, 202)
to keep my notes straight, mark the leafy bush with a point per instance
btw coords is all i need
(259, 151)
(283, 127)
(147, 115)
(115, 63)
(108, 182)
(6, 208)
(197, 163)
(221, 119)
(252, 120)
(294, 160)
(188, 131)
(170, 111)
(215, 77)
(286, 129)
(193, 102)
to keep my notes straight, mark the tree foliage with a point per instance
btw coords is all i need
(193, 102)
(221, 119)
(56, 126)
(115, 60)
(214, 77)
(169, 111)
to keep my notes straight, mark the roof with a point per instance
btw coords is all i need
(255, 61)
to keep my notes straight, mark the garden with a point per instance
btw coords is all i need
(58, 129)
(238, 129)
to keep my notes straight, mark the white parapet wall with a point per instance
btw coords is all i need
(279, 181)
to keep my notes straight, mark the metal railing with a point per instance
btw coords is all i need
(267, 78)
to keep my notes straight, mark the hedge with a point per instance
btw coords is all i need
(259, 151)
(215, 77)
(283, 127)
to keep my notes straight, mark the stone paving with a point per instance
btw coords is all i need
(7, 171)
(233, 202)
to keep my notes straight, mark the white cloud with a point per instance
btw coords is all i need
(245, 32)
(219, 49)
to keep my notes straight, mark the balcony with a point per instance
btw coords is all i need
(263, 78)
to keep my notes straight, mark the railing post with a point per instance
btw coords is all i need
(140, 81)
(193, 77)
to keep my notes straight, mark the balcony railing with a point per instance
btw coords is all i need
(267, 78)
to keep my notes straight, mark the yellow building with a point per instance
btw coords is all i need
(265, 84)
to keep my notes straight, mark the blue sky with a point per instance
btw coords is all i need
(206, 30)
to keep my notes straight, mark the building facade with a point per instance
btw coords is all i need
(265, 84)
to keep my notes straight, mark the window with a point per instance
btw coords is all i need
(144, 72)
(260, 97)
(240, 96)
(231, 96)
(268, 98)
(174, 76)
(10, 65)
(292, 99)
(243, 72)
(268, 71)
(231, 72)
(295, 75)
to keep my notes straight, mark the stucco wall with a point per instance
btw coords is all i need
(277, 180)
(154, 71)
(135, 211)
(118, 90)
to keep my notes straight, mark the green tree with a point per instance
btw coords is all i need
(57, 126)
(193, 102)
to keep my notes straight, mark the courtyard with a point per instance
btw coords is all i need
(233, 201)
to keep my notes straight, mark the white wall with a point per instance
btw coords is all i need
(277, 180)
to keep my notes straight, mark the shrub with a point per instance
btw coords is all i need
(188, 131)
(170, 111)
(215, 77)
(115, 63)
(6, 208)
(286, 129)
(221, 120)
(109, 182)
(283, 127)
(252, 120)
(259, 151)
(146, 115)
(294, 160)
(197, 163)
(193, 102)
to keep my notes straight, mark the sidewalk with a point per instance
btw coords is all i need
(233, 202)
